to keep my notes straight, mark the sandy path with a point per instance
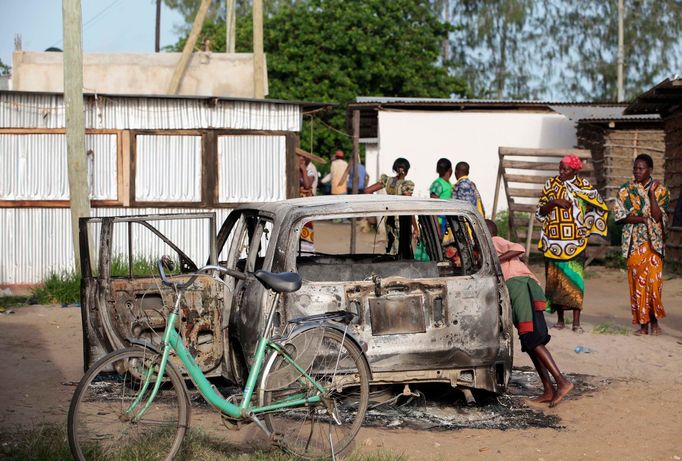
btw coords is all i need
(635, 413)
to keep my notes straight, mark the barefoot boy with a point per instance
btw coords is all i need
(528, 303)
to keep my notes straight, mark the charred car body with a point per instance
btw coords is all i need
(431, 309)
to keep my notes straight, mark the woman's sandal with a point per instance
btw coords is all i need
(641, 333)
(578, 329)
(656, 331)
(559, 326)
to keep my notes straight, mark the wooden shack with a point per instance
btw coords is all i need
(615, 142)
(665, 99)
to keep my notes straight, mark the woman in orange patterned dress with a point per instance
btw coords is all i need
(640, 206)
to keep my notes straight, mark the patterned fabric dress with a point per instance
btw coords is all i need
(643, 247)
(396, 245)
(564, 238)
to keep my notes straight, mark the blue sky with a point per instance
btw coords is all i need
(108, 25)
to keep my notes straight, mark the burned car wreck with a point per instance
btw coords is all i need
(429, 299)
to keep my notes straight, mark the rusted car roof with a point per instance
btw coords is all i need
(330, 204)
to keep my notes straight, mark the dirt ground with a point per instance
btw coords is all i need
(634, 412)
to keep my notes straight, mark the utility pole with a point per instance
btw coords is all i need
(75, 124)
(621, 51)
(230, 27)
(258, 56)
(356, 179)
(157, 43)
(181, 67)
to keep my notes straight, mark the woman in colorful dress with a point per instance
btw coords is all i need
(570, 210)
(397, 243)
(641, 206)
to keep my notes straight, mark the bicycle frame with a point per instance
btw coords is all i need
(172, 340)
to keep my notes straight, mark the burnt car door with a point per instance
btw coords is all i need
(248, 233)
(123, 301)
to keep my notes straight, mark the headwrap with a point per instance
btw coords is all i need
(572, 162)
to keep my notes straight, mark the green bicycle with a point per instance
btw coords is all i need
(310, 386)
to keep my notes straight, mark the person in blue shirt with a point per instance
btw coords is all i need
(362, 178)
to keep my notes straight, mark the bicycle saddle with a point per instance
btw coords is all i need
(281, 282)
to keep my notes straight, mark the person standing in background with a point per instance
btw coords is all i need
(570, 210)
(335, 175)
(311, 169)
(399, 231)
(465, 189)
(441, 187)
(640, 206)
(362, 177)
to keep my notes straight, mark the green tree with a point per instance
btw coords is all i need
(587, 42)
(563, 48)
(335, 50)
(490, 45)
(4, 69)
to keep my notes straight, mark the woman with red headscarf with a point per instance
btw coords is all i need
(570, 209)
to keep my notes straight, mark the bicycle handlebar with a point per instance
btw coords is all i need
(166, 262)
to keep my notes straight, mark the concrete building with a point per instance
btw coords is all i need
(423, 130)
(207, 74)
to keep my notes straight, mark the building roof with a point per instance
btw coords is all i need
(600, 113)
(368, 106)
(664, 98)
(306, 105)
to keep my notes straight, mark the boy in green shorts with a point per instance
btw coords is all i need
(528, 303)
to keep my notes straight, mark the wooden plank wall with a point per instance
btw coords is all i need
(673, 180)
(614, 149)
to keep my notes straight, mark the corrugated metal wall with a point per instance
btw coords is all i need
(251, 168)
(25, 110)
(33, 167)
(168, 169)
(37, 241)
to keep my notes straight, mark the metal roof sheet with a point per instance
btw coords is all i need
(662, 99)
(382, 100)
(306, 104)
(600, 113)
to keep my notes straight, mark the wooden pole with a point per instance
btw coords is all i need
(621, 52)
(230, 24)
(181, 67)
(75, 123)
(157, 42)
(356, 162)
(258, 56)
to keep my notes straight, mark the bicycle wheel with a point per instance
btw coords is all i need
(327, 428)
(99, 424)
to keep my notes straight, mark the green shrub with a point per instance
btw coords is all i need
(59, 288)
(141, 266)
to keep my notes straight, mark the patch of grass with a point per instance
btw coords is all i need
(610, 329)
(13, 301)
(141, 266)
(41, 443)
(59, 288)
(64, 287)
(49, 443)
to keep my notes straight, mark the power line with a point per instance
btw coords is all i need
(92, 19)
